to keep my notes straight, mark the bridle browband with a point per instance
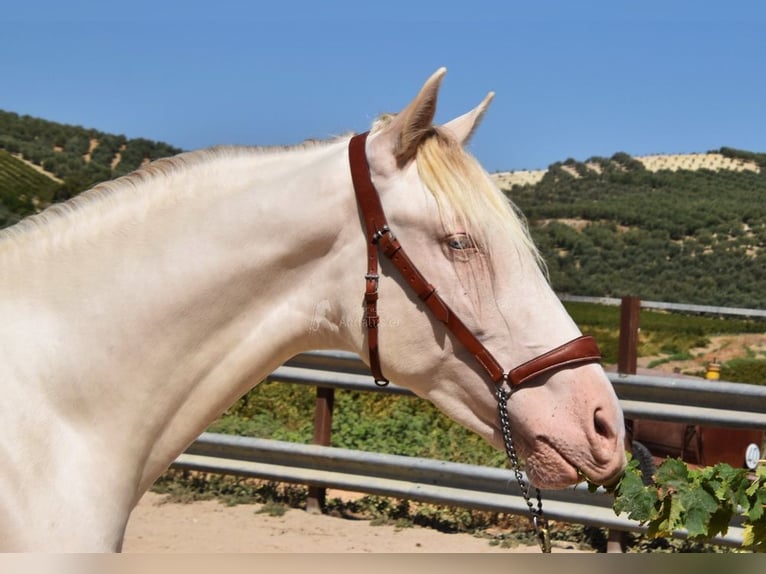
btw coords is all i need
(379, 236)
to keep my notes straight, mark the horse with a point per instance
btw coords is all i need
(135, 313)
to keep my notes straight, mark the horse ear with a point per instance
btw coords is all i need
(462, 128)
(405, 132)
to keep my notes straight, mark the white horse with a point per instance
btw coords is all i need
(134, 314)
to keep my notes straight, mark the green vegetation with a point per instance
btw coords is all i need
(685, 236)
(701, 501)
(745, 370)
(364, 421)
(22, 189)
(671, 336)
(78, 156)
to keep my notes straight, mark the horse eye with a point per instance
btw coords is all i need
(460, 242)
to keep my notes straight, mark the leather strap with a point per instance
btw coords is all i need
(440, 310)
(374, 222)
(580, 350)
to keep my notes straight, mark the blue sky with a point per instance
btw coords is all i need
(573, 79)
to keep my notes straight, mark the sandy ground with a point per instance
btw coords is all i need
(201, 527)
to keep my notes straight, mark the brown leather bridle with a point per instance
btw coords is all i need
(379, 236)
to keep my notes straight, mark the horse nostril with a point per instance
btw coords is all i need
(601, 425)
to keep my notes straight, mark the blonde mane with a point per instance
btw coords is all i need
(466, 195)
(459, 183)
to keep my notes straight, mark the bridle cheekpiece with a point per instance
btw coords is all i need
(380, 238)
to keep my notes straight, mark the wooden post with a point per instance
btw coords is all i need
(322, 430)
(630, 312)
(627, 358)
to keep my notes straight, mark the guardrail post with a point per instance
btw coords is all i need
(323, 406)
(630, 312)
(627, 360)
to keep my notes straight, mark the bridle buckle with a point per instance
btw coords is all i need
(380, 233)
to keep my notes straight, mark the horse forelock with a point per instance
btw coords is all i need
(465, 193)
(467, 196)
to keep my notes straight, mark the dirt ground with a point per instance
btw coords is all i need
(720, 349)
(209, 526)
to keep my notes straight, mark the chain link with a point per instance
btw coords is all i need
(539, 521)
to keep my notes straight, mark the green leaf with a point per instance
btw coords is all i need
(699, 505)
(756, 485)
(754, 537)
(748, 536)
(701, 501)
(673, 473)
(670, 516)
(634, 498)
(757, 508)
(719, 522)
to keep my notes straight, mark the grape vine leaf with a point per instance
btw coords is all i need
(633, 497)
(698, 505)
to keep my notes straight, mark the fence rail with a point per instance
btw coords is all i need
(412, 478)
(680, 307)
(469, 486)
(691, 401)
(719, 403)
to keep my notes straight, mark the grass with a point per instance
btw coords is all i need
(683, 356)
(662, 333)
(745, 370)
(272, 508)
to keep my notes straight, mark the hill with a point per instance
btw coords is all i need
(75, 156)
(613, 227)
(685, 227)
(22, 189)
(713, 161)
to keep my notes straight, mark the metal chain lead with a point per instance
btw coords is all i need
(539, 522)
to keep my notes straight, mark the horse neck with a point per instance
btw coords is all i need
(168, 310)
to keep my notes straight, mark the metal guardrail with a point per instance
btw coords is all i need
(679, 307)
(716, 403)
(412, 478)
(693, 401)
(441, 482)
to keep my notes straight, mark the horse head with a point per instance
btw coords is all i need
(466, 237)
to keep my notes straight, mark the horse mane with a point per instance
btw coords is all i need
(104, 194)
(465, 193)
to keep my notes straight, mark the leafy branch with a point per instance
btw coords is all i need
(701, 501)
